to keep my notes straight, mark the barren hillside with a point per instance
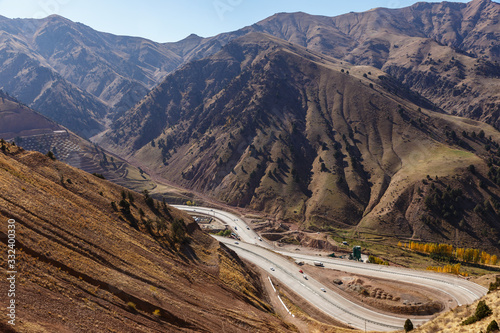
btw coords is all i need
(18, 120)
(94, 257)
(269, 125)
(33, 131)
(448, 52)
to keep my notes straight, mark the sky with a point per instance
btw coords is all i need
(169, 21)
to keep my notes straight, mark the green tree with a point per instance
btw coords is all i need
(178, 229)
(125, 206)
(471, 168)
(98, 175)
(482, 311)
(408, 325)
(148, 199)
(492, 327)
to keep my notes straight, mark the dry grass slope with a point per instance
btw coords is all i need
(87, 266)
(450, 321)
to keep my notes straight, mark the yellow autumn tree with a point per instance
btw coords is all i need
(476, 256)
(484, 258)
(460, 253)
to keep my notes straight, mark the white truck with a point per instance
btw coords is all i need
(318, 263)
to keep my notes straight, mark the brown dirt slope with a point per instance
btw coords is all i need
(86, 266)
(33, 131)
(451, 320)
(447, 52)
(19, 120)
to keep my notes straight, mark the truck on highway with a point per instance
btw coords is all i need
(318, 263)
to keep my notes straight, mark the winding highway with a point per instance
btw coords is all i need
(280, 266)
(232, 221)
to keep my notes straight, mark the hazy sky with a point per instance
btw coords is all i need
(167, 20)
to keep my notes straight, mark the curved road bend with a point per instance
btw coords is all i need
(460, 290)
(258, 252)
(328, 302)
(234, 222)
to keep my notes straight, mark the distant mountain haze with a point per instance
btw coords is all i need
(76, 75)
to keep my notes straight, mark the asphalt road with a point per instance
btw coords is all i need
(285, 270)
(458, 289)
(234, 222)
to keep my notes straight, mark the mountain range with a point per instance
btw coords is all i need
(447, 52)
(276, 127)
(330, 121)
(380, 123)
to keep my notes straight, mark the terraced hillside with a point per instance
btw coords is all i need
(33, 131)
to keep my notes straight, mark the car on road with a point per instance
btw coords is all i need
(305, 277)
(248, 228)
(345, 243)
(272, 268)
(260, 239)
(235, 228)
(301, 271)
(236, 243)
(323, 290)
